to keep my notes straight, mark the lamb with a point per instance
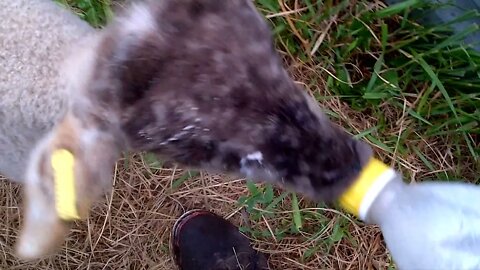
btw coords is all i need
(194, 81)
(35, 36)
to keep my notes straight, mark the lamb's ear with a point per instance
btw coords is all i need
(70, 169)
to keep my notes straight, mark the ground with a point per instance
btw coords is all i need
(408, 90)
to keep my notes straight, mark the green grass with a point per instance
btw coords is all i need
(95, 12)
(420, 85)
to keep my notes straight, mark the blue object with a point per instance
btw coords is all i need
(452, 9)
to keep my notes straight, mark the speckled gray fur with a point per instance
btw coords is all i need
(199, 82)
(34, 37)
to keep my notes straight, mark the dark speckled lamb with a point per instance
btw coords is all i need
(197, 82)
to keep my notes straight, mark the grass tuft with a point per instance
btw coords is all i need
(95, 12)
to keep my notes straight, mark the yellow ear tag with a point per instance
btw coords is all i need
(63, 168)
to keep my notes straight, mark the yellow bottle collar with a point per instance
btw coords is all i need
(358, 198)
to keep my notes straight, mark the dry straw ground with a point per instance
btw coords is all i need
(129, 229)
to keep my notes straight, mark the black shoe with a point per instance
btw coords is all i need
(201, 240)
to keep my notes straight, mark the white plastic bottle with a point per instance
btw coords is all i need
(428, 225)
